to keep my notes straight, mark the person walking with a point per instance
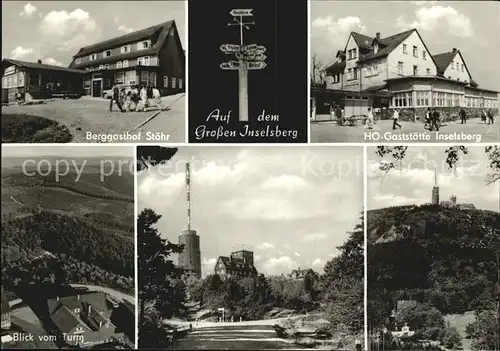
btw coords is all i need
(144, 98)
(157, 98)
(338, 114)
(370, 120)
(490, 116)
(115, 98)
(395, 117)
(428, 118)
(484, 116)
(463, 116)
(435, 120)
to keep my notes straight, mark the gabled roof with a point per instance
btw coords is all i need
(301, 273)
(35, 65)
(236, 265)
(124, 39)
(337, 67)
(66, 321)
(388, 45)
(443, 61)
(96, 299)
(362, 40)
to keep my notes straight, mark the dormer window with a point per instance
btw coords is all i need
(106, 53)
(144, 45)
(375, 48)
(125, 49)
(93, 57)
(77, 310)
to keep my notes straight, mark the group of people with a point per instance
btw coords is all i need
(135, 99)
(487, 116)
(432, 119)
(370, 120)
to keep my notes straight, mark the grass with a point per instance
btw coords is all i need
(21, 128)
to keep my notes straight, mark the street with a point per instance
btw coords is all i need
(234, 337)
(88, 114)
(330, 132)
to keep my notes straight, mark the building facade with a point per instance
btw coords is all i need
(82, 320)
(400, 72)
(38, 80)
(151, 57)
(238, 264)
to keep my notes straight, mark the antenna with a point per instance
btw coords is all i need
(435, 176)
(188, 194)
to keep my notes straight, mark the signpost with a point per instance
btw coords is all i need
(250, 57)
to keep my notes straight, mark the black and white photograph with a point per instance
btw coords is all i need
(93, 71)
(248, 71)
(414, 71)
(433, 247)
(68, 247)
(262, 247)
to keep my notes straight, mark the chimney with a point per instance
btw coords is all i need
(378, 35)
(39, 61)
(454, 49)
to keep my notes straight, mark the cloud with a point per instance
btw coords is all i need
(432, 18)
(208, 265)
(22, 53)
(296, 254)
(124, 29)
(318, 263)
(286, 182)
(28, 10)
(68, 31)
(314, 237)
(329, 34)
(279, 265)
(52, 61)
(265, 246)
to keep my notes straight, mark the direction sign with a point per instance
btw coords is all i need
(256, 65)
(251, 47)
(245, 55)
(241, 12)
(259, 57)
(230, 48)
(228, 66)
(260, 49)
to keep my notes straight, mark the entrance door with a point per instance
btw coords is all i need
(96, 88)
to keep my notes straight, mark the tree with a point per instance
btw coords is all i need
(157, 273)
(424, 318)
(450, 338)
(317, 72)
(484, 331)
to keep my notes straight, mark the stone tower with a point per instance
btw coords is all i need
(190, 257)
(435, 189)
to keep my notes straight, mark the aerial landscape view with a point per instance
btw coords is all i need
(254, 258)
(68, 247)
(433, 248)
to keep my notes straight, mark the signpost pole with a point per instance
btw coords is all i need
(242, 81)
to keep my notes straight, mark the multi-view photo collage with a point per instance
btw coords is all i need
(250, 175)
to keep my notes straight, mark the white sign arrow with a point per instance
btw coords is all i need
(251, 47)
(259, 57)
(241, 12)
(230, 48)
(260, 49)
(227, 66)
(256, 65)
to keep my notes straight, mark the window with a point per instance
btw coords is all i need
(415, 51)
(422, 98)
(457, 100)
(106, 66)
(79, 329)
(351, 54)
(106, 53)
(152, 79)
(101, 66)
(463, 68)
(165, 81)
(349, 74)
(120, 78)
(143, 61)
(77, 310)
(375, 69)
(93, 57)
(125, 49)
(173, 82)
(144, 45)
(369, 70)
(424, 55)
(415, 70)
(404, 49)
(86, 83)
(452, 65)
(179, 81)
(78, 60)
(144, 77)
(125, 64)
(375, 48)
(402, 99)
(400, 68)
(119, 64)
(355, 71)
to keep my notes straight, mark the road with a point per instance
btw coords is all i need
(234, 337)
(116, 294)
(92, 115)
(36, 331)
(330, 132)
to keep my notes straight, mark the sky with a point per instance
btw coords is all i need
(470, 26)
(54, 31)
(413, 183)
(292, 205)
(11, 151)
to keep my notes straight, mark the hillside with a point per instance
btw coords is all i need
(445, 256)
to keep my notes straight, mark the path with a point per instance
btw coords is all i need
(330, 132)
(117, 294)
(234, 337)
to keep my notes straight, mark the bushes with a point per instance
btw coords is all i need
(33, 129)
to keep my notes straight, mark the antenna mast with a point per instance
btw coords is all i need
(188, 195)
(435, 177)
